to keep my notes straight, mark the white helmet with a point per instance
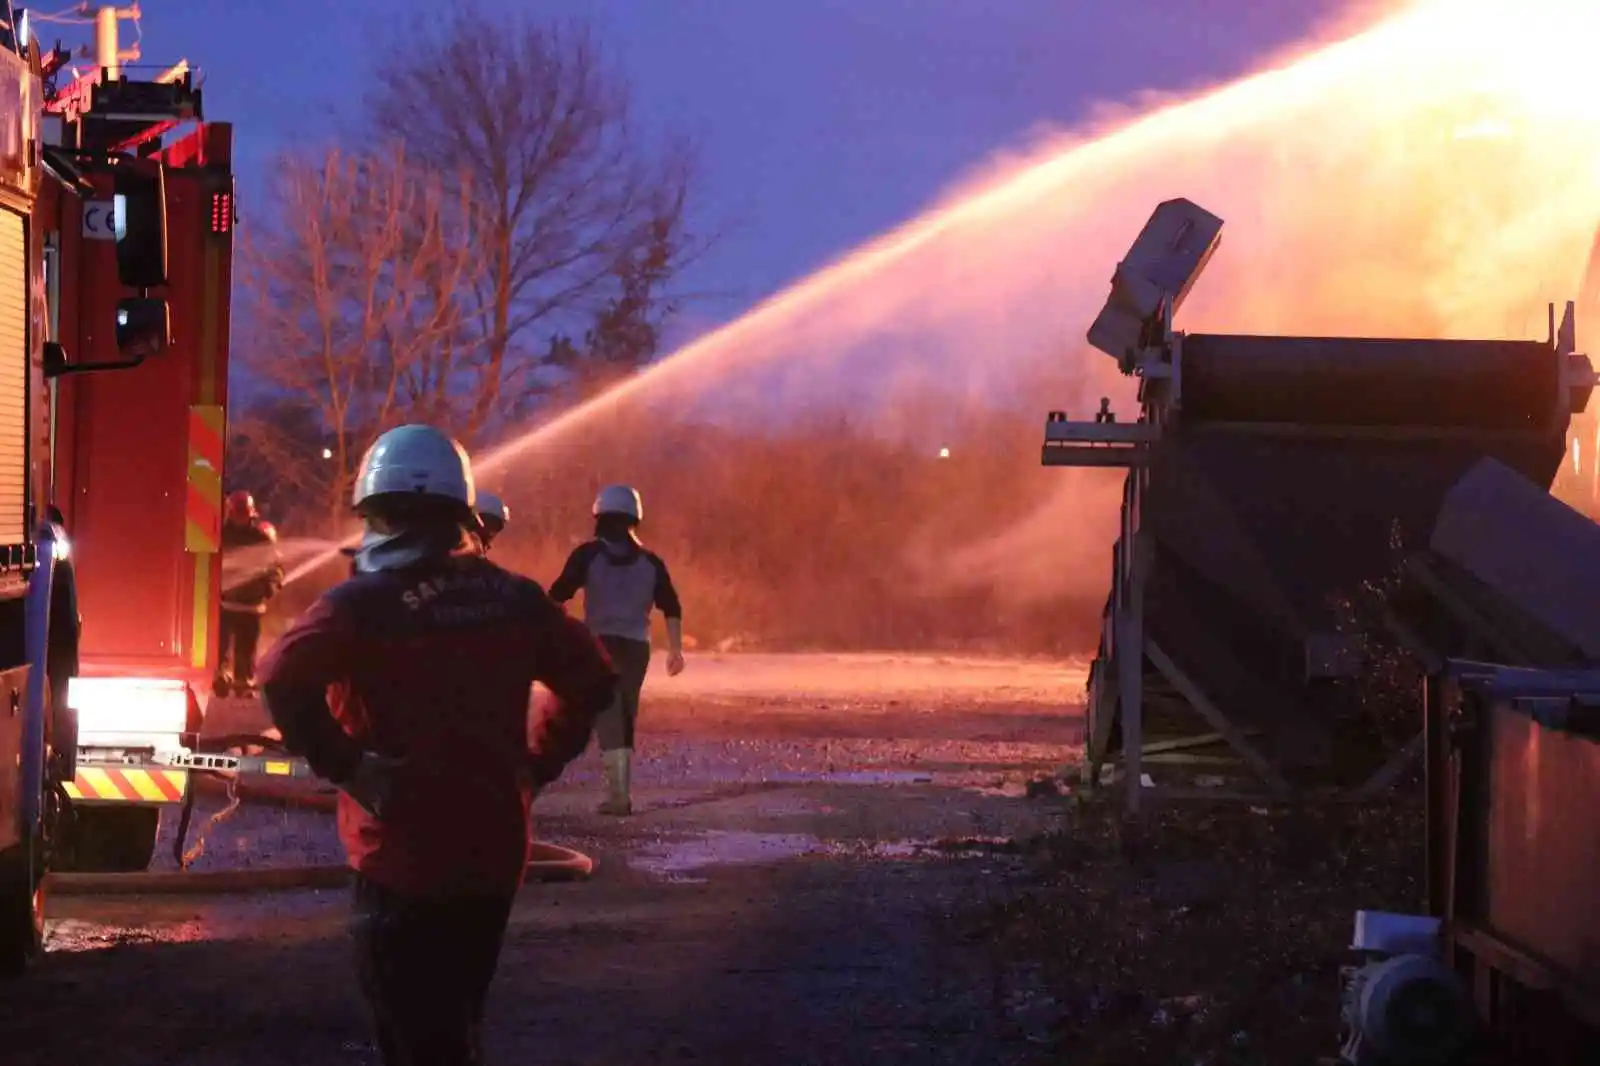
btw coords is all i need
(619, 499)
(492, 508)
(415, 460)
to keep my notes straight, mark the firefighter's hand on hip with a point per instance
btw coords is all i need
(372, 784)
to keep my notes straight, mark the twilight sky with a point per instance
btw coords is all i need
(820, 122)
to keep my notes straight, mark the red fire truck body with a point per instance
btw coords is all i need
(50, 190)
(138, 482)
(138, 458)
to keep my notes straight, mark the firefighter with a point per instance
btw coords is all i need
(252, 575)
(493, 516)
(621, 582)
(428, 656)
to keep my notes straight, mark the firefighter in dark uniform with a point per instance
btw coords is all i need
(621, 581)
(493, 516)
(408, 686)
(252, 574)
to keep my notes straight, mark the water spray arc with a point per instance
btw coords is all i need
(1395, 183)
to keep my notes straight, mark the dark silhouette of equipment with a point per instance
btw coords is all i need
(1269, 479)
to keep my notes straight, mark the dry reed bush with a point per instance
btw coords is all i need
(825, 532)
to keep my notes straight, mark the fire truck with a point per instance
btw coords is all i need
(139, 459)
(116, 225)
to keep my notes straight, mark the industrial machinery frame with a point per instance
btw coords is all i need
(1230, 555)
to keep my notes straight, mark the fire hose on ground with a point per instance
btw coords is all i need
(547, 862)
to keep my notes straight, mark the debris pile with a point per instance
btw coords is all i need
(1198, 935)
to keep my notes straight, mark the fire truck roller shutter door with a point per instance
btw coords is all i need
(13, 380)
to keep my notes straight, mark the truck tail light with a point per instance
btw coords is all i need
(133, 712)
(221, 212)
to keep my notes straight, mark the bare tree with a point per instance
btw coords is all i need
(566, 201)
(625, 332)
(349, 304)
(275, 444)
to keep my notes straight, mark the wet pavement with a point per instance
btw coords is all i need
(787, 874)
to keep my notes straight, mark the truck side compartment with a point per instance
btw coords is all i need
(138, 483)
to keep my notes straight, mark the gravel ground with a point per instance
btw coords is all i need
(810, 828)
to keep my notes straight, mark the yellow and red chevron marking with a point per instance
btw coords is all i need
(203, 510)
(127, 784)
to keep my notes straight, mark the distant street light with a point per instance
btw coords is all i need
(944, 453)
(327, 453)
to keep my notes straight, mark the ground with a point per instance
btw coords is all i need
(813, 830)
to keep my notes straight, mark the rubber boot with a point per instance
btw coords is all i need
(616, 766)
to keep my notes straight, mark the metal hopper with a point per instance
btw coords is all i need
(1268, 478)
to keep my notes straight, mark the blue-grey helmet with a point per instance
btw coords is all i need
(415, 460)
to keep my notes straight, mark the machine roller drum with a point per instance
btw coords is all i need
(1491, 385)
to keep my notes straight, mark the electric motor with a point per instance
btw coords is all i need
(1407, 1010)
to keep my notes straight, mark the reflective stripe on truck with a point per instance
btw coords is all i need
(160, 780)
(126, 784)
